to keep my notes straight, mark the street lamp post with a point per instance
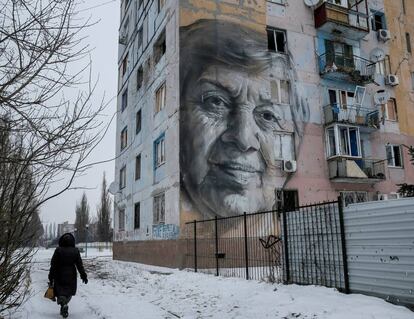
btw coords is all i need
(86, 241)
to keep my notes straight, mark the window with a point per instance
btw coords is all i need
(124, 138)
(121, 219)
(412, 81)
(276, 40)
(137, 215)
(125, 64)
(353, 197)
(341, 98)
(138, 167)
(394, 156)
(160, 47)
(343, 141)
(124, 100)
(122, 177)
(286, 199)
(342, 3)
(161, 4)
(280, 90)
(159, 209)
(159, 151)
(140, 37)
(389, 110)
(408, 41)
(383, 66)
(339, 53)
(378, 21)
(140, 77)
(138, 121)
(160, 98)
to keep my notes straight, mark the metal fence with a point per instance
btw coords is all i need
(303, 245)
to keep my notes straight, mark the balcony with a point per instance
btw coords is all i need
(351, 22)
(339, 67)
(359, 170)
(351, 114)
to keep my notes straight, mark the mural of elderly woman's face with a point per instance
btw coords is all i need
(229, 119)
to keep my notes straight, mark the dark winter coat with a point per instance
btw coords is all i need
(66, 259)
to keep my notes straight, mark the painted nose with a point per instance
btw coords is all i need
(242, 132)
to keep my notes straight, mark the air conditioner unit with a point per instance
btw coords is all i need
(392, 80)
(289, 166)
(384, 35)
(122, 39)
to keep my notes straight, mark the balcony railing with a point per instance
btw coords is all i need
(353, 68)
(351, 114)
(361, 170)
(351, 22)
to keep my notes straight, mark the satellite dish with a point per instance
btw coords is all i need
(113, 188)
(381, 97)
(311, 3)
(377, 55)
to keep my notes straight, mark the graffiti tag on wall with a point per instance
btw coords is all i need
(165, 231)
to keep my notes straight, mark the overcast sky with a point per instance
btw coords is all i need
(103, 39)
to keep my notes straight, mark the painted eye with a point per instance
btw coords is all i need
(268, 116)
(215, 101)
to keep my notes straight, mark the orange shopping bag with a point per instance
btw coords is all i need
(50, 294)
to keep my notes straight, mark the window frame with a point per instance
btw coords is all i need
(121, 219)
(393, 147)
(138, 168)
(140, 77)
(275, 41)
(138, 121)
(160, 102)
(122, 177)
(137, 221)
(159, 209)
(338, 141)
(124, 138)
(159, 146)
(386, 110)
(124, 99)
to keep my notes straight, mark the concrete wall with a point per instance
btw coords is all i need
(380, 249)
(165, 178)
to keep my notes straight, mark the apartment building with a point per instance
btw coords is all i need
(235, 106)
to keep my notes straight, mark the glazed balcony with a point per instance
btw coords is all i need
(336, 66)
(356, 170)
(350, 22)
(353, 115)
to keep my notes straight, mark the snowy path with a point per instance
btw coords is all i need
(128, 290)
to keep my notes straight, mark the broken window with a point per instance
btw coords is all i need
(159, 209)
(137, 215)
(378, 21)
(124, 138)
(160, 47)
(276, 40)
(140, 77)
(138, 122)
(122, 177)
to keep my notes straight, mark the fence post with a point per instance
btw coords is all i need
(195, 246)
(285, 246)
(343, 244)
(216, 234)
(245, 246)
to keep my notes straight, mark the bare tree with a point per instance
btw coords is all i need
(46, 137)
(104, 214)
(82, 219)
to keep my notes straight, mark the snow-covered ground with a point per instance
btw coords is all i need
(121, 290)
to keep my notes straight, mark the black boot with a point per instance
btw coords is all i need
(64, 310)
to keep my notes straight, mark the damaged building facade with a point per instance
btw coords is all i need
(236, 106)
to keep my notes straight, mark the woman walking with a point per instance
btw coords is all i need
(62, 275)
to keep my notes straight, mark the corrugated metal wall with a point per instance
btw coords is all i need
(380, 249)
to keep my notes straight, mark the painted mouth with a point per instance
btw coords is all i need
(238, 167)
